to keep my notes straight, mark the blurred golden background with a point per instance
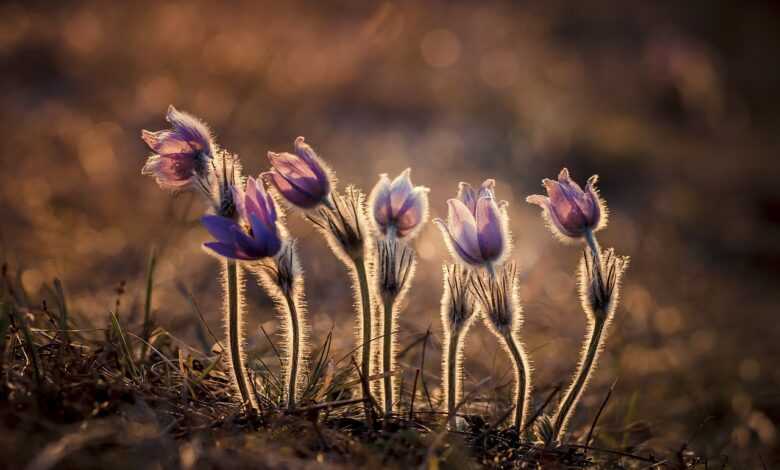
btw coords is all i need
(673, 105)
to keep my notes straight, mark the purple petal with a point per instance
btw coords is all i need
(413, 211)
(457, 250)
(380, 202)
(400, 190)
(222, 249)
(304, 150)
(489, 230)
(191, 130)
(221, 228)
(463, 229)
(292, 194)
(468, 196)
(487, 188)
(299, 174)
(591, 208)
(564, 210)
(265, 238)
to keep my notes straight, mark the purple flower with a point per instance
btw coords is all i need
(180, 152)
(397, 207)
(300, 177)
(255, 235)
(476, 229)
(571, 212)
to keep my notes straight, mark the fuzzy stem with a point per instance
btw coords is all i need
(387, 354)
(593, 244)
(580, 379)
(295, 353)
(234, 332)
(522, 380)
(365, 301)
(452, 376)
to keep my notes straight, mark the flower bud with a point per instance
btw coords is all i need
(255, 236)
(300, 177)
(180, 153)
(476, 229)
(398, 208)
(569, 211)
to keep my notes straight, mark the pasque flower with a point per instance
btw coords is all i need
(300, 177)
(180, 152)
(255, 235)
(570, 211)
(398, 208)
(476, 229)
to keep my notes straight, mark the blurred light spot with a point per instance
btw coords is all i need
(741, 404)
(763, 426)
(703, 341)
(218, 101)
(83, 32)
(440, 48)
(156, 94)
(499, 68)
(668, 321)
(638, 302)
(741, 436)
(749, 369)
(97, 155)
(426, 249)
(32, 280)
(559, 286)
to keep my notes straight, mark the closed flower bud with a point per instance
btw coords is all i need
(398, 208)
(255, 236)
(476, 229)
(180, 153)
(569, 211)
(300, 177)
(600, 288)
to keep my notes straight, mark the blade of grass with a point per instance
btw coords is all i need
(598, 414)
(147, 328)
(62, 306)
(29, 346)
(126, 351)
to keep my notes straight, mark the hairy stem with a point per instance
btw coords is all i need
(452, 376)
(522, 382)
(235, 335)
(387, 354)
(593, 244)
(365, 301)
(294, 358)
(580, 379)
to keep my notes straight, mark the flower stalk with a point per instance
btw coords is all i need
(457, 313)
(395, 269)
(600, 274)
(282, 279)
(342, 223)
(497, 295)
(234, 323)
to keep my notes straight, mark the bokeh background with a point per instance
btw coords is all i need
(674, 105)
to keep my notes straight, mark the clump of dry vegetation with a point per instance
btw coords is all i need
(76, 395)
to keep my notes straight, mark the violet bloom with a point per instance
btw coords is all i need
(398, 208)
(476, 229)
(255, 236)
(180, 152)
(571, 212)
(300, 177)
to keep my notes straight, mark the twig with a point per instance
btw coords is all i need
(422, 367)
(598, 414)
(414, 394)
(367, 398)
